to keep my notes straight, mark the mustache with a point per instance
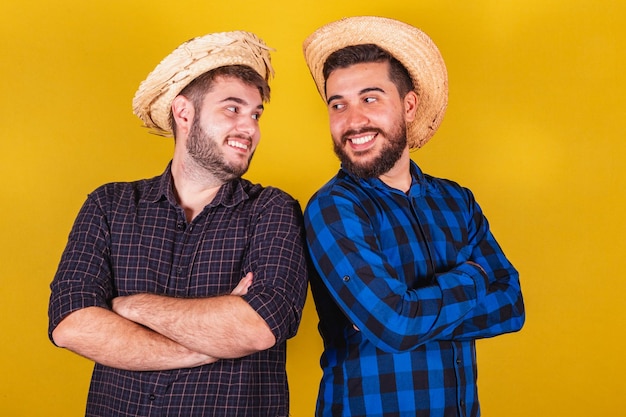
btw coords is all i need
(352, 132)
(239, 136)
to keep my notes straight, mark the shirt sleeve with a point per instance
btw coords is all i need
(278, 260)
(83, 278)
(501, 310)
(366, 287)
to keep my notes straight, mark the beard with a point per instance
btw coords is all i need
(389, 154)
(203, 149)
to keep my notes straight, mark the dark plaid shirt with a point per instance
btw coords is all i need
(133, 238)
(394, 265)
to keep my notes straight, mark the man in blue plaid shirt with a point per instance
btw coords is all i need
(409, 274)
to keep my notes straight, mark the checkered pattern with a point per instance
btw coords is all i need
(395, 266)
(133, 238)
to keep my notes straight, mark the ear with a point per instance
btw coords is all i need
(411, 101)
(183, 113)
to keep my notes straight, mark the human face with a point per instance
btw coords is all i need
(225, 131)
(367, 118)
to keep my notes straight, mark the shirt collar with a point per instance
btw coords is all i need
(418, 182)
(229, 194)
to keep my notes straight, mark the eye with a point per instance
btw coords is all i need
(337, 106)
(233, 109)
(369, 99)
(256, 116)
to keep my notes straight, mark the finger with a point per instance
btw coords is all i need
(246, 281)
(241, 288)
(243, 285)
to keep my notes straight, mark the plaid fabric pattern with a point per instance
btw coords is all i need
(399, 306)
(133, 238)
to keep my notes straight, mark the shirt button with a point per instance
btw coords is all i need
(346, 278)
(180, 225)
(458, 361)
(152, 397)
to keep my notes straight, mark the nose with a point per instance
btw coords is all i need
(246, 125)
(356, 118)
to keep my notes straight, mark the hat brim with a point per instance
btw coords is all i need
(409, 45)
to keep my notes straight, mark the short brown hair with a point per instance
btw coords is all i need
(200, 86)
(358, 54)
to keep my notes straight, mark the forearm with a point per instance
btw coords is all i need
(501, 311)
(398, 319)
(502, 308)
(221, 327)
(109, 339)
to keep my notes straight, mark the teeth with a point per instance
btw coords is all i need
(362, 140)
(236, 144)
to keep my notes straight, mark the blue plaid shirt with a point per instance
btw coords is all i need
(399, 304)
(133, 238)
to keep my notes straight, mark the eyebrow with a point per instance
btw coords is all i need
(241, 101)
(363, 91)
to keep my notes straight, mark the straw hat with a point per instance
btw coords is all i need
(153, 99)
(409, 45)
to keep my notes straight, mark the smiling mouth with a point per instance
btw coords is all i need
(360, 137)
(237, 144)
(362, 140)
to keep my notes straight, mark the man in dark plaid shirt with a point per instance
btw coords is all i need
(409, 274)
(185, 287)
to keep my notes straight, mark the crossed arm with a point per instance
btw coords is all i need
(157, 332)
(478, 297)
(144, 331)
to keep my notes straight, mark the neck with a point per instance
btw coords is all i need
(194, 189)
(399, 176)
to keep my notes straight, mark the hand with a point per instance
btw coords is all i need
(242, 288)
(477, 266)
(123, 306)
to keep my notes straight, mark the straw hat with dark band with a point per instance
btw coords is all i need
(193, 58)
(409, 45)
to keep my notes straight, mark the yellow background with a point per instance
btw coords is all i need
(535, 127)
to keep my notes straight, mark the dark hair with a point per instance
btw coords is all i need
(200, 86)
(358, 54)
